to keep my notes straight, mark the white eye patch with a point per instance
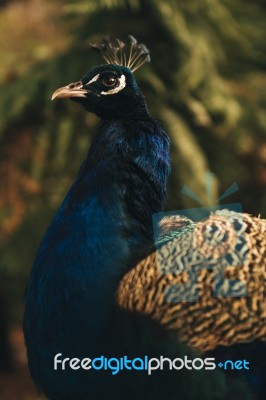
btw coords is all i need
(94, 79)
(122, 84)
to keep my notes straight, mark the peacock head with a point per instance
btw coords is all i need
(110, 90)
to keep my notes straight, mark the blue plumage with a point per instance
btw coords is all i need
(103, 227)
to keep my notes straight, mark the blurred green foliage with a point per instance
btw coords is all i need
(206, 84)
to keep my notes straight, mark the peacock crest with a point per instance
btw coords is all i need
(132, 56)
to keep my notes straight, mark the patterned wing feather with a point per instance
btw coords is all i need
(206, 281)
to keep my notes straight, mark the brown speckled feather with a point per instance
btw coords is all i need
(208, 283)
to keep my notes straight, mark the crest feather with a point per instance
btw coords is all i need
(118, 54)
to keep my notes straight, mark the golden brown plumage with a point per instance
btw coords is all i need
(186, 285)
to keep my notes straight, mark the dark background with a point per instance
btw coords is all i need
(205, 83)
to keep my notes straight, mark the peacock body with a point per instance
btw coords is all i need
(98, 287)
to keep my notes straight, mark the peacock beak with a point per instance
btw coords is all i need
(75, 89)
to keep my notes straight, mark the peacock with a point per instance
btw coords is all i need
(104, 287)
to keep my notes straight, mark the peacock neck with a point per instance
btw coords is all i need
(131, 163)
(142, 143)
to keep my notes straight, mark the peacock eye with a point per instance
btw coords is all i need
(109, 81)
